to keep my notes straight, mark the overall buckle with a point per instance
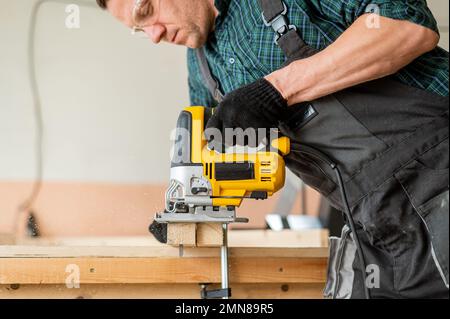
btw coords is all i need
(279, 24)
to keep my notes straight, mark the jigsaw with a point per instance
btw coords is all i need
(207, 185)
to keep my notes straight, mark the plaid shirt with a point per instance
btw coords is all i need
(242, 49)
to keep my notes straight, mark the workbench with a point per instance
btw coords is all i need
(263, 264)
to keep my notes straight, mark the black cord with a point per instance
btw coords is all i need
(27, 204)
(308, 150)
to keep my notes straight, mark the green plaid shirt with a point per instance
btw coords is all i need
(242, 49)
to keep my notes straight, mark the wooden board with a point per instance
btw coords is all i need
(236, 238)
(158, 291)
(154, 252)
(195, 235)
(210, 235)
(110, 267)
(182, 234)
(94, 270)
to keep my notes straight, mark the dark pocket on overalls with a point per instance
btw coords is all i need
(340, 276)
(307, 168)
(426, 182)
(327, 126)
(435, 213)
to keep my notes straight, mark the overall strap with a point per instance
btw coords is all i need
(208, 79)
(274, 14)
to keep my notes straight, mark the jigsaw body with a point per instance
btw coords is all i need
(207, 186)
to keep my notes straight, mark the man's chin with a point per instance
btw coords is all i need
(192, 42)
(193, 46)
(195, 42)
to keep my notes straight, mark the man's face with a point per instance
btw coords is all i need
(182, 22)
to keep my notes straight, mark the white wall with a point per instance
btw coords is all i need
(109, 100)
(440, 10)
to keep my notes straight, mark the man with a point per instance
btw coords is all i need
(360, 82)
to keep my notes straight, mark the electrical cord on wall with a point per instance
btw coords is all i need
(307, 150)
(27, 205)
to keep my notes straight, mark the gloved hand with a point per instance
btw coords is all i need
(257, 105)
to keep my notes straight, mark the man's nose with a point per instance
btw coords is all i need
(155, 32)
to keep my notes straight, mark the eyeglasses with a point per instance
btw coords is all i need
(142, 14)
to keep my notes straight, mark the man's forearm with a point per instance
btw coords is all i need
(361, 54)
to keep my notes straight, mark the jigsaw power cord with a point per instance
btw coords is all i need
(307, 150)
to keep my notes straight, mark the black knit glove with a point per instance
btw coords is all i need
(257, 105)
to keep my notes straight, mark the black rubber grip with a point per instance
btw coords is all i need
(234, 171)
(182, 144)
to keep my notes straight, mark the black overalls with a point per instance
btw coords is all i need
(390, 141)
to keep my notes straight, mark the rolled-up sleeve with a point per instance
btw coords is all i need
(346, 12)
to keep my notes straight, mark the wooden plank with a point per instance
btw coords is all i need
(161, 270)
(182, 234)
(162, 251)
(282, 239)
(158, 291)
(242, 243)
(285, 265)
(195, 235)
(236, 238)
(210, 235)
